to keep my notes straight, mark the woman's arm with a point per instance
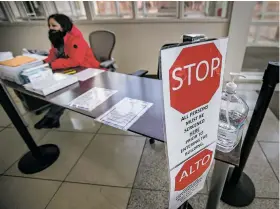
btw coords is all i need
(51, 56)
(77, 53)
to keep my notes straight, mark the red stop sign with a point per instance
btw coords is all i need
(192, 169)
(194, 77)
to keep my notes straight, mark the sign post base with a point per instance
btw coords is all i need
(238, 194)
(217, 184)
(186, 205)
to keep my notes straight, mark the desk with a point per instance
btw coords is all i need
(149, 90)
(151, 124)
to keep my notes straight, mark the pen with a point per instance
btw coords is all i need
(69, 72)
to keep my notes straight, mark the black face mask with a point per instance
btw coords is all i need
(56, 38)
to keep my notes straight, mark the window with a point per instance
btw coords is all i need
(202, 9)
(73, 9)
(28, 10)
(40, 10)
(82, 10)
(112, 9)
(3, 16)
(264, 29)
(156, 8)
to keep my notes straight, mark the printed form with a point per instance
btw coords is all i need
(92, 98)
(124, 113)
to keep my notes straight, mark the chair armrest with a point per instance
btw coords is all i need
(107, 63)
(139, 73)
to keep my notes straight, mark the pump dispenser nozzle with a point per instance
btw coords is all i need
(231, 86)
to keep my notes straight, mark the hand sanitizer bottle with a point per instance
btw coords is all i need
(233, 114)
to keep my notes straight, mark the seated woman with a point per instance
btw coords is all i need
(69, 49)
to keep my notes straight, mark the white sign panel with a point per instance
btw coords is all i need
(192, 83)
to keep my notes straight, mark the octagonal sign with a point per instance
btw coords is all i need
(193, 169)
(194, 77)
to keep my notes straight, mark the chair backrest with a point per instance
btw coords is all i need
(165, 46)
(102, 43)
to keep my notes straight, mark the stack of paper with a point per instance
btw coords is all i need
(17, 61)
(49, 85)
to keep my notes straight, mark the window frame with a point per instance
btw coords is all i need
(135, 18)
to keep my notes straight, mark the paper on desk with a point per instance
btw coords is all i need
(88, 73)
(92, 98)
(124, 113)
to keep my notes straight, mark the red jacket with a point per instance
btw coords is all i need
(76, 49)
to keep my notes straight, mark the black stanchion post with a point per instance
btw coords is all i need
(239, 189)
(39, 157)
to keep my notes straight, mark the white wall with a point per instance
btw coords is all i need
(137, 44)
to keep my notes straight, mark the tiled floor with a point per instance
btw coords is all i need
(103, 168)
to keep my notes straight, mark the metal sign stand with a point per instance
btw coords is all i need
(186, 205)
(239, 190)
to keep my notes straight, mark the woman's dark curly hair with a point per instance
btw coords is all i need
(64, 21)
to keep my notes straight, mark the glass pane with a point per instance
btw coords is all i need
(268, 10)
(157, 8)
(24, 10)
(113, 8)
(194, 9)
(264, 35)
(15, 10)
(257, 10)
(268, 34)
(272, 6)
(2, 15)
(126, 8)
(201, 9)
(106, 8)
(72, 9)
(34, 9)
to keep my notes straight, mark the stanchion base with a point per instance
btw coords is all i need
(241, 194)
(29, 165)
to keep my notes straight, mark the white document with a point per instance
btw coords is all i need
(92, 98)
(42, 79)
(88, 73)
(124, 113)
(47, 87)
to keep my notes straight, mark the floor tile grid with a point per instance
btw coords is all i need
(267, 158)
(20, 156)
(94, 135)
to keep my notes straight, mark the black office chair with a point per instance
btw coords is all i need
(102, 43)
(159, 74)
